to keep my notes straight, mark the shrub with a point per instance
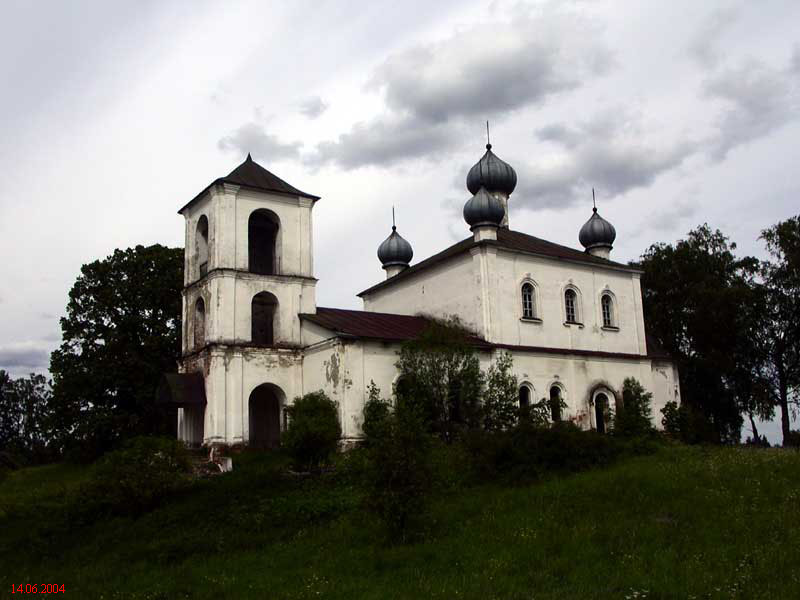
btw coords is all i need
(136, 478)
(376, 413)
(792, 440)
(686, 423)
(634, 416)
(314, 430)
(500, 407)
(399, 471)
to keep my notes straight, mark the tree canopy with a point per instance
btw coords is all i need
(121, 333)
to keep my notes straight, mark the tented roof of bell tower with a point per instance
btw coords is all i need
(253, 176)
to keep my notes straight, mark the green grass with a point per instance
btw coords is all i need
(682, 523)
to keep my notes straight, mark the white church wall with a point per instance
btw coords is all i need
(446, 289)
(551, 279)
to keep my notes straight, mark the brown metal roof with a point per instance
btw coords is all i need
(509, 240)
(373, 325)
(252, 175)
(390, 327)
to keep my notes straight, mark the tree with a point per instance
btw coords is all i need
(121, 333)
(780, 336)
(693, 294)
(501, 395)
(441, 375)
(314, 430)
(634, 415)
(25, 419)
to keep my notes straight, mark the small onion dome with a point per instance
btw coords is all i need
(483, 209)
(492, 173)
(395, 251)
(597, 232)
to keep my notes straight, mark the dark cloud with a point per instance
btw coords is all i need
(28, 355)
(313, 107)
(486, 71)
(384, 141)
(604, 152)
(704, 46)
(253, 137)
(760, 99)
(492, 68)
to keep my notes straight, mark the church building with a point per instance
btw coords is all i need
(254, 338)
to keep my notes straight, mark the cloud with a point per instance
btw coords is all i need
(253, 137)
(671, 217)
(492, 68)
(606, 152)
(704, 44)
(432, 90)
(385, 141)
(33, 355)
(760, 99)
(313, 107)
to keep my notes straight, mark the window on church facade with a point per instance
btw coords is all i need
(555, 403)
(201, 245)
(528, 302)
(262, 240)
(264, 307)
(524, 396)
(199, 323)
(608, 310)
(571, 306)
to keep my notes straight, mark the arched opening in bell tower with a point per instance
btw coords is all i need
(264, 309)
(265, 416)
(262, 242)
(201, 246)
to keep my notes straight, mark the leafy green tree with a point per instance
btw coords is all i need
(634, 416)
(501, 395)
(399, 472)
(376, 412)
(693, 293)
(780, 336)
(314, 430)
(25, 417)
(121, 333)
(441, 375)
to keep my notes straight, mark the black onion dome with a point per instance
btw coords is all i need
(483, 209)
(597, 232)
(492, 173)
(395, 250)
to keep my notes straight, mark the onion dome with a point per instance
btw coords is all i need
(491, 173)
(483, 209)
(395, 251)
(597, 232)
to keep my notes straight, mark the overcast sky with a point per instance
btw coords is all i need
(115, 114)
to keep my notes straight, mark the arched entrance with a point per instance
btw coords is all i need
(265, 416)
(600, 405)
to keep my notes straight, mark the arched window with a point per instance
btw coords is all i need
(262, 242)
(607, 305)
(528, 301)
(571, 305)
(201, 245)
(264, 307)
(555, 403)
(199, 323)
(524, 396)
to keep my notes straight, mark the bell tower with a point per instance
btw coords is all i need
(248, 273)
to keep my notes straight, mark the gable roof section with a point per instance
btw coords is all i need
(389, 327)
(253, 176)
(373, 325)
(514, 241)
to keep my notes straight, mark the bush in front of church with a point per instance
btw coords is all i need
(313, 432)
(634, 416)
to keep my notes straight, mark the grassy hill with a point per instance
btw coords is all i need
(682, 523)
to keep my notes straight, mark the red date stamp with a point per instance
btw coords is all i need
(37, 588)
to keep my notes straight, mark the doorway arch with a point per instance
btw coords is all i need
(600, 408)
(264, 414)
